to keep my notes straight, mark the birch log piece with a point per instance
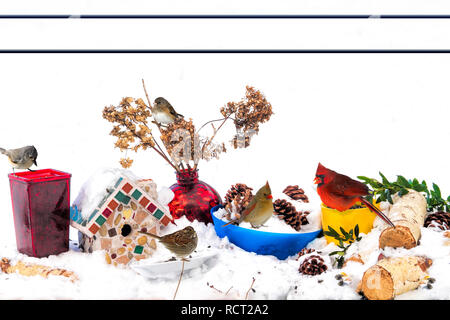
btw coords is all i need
(31, 269)
(391, 277)
(408, 215)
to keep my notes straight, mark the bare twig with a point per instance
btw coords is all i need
(179, 281)
(228, 291)
(175, 166)
(212, 121)
(159, 152)
(207, 123)
(212, 287)
(208, 142)
(146, 94)
(251, 286)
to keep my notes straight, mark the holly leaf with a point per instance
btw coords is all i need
(437, 191)
(332, 233)
(357, 231)
(365, 179)
(401, 180)
(340, 261)
(346, 235)
(402, 192)
(384, 179)
(389, 197)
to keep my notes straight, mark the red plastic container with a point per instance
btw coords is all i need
(193, 197)
(41, 207)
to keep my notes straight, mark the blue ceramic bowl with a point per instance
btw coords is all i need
(280, 245)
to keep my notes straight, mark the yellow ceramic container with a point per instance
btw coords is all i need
(348, 219)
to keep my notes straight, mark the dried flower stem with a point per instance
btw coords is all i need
(228, 291)
(251, 286)
(210, 122)
(212, 287)
(175, 166)
(208, 142)
(179, 281)
(159, 152)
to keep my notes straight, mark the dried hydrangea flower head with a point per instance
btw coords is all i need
(183, 144)
(248, 113)
(181, 141)
(130, 122)
(130, 119)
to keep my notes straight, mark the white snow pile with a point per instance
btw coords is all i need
(96, 188)
(222, 276)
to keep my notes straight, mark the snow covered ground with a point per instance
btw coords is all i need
(357, 114)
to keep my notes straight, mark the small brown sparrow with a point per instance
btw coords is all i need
(163, 112)
(182, 242)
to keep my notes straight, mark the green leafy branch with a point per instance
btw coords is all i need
(385, 190)
(350, 237)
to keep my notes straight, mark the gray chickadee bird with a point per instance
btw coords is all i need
(21, 158)
(163, 112)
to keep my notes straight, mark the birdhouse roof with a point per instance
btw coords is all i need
(123, 193)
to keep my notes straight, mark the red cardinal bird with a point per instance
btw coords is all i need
(340, 192)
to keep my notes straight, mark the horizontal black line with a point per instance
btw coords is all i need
(220, 16)
(214, 51)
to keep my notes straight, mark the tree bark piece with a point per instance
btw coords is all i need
(355, 258)
(408, 215)
(391, 277)
(26, 269)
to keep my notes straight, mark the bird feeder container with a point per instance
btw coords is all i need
(280, 245)
(41, 208)
(347, 219)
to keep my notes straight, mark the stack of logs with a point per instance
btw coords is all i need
(393, 276)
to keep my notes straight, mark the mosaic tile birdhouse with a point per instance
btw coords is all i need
(114, 225)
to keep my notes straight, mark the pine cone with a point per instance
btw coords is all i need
(439, 220)
(238, 196)
(313, 265)
(305, 251)
(286, 211)
(295, 193)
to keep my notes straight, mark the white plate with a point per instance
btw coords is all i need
(170, 268)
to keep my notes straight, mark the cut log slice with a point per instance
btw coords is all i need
(397, 237)
(377, 284)
(391, 277)
(408, 215)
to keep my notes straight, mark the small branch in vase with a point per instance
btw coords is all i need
(208, 142)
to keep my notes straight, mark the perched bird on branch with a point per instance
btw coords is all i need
(259, 210)
(341, 192)
(21, 158)
(163, 112)
(182, 242)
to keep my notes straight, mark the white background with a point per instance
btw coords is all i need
(356, 113)
(224, 34)
(227, 7)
